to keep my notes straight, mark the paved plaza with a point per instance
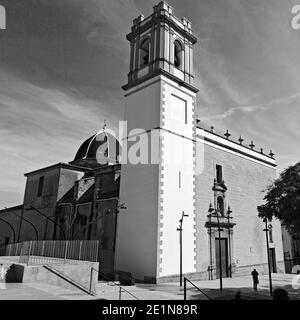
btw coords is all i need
(166, 291)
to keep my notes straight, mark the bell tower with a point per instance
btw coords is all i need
(158, 180)
(161, 44)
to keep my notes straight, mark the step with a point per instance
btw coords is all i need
(286, 277)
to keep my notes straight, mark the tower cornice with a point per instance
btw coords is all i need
(144, 25)
(157, 72)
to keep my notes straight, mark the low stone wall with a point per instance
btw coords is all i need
(79, 272)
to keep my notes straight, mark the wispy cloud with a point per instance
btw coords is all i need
(283, 101)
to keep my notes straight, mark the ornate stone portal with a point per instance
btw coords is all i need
(220, 232)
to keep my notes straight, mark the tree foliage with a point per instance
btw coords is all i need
(282, 199)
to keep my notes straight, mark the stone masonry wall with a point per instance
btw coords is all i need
(245, 180)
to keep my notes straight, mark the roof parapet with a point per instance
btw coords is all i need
(227, 136)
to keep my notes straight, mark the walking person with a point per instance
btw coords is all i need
(255, 274)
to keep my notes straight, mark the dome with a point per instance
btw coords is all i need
(100, 149)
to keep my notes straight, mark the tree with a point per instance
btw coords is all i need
(282, 199)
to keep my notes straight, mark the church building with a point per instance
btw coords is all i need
(193, 197)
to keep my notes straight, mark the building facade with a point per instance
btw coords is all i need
(291, 247)
(193, 182)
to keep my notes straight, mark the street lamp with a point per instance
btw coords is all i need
(229, 211)
(210, 212)
(268, 254)
(180, 243)
(118, 207)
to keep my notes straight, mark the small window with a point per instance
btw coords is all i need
(6, 240)
(41, 186)
(220, 206)
(145, 52)
(178, 53)
(219, 174)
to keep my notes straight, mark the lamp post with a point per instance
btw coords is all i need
(229, 243)
(210, 212)
(268, 254)
(180, 243)
(119, 206)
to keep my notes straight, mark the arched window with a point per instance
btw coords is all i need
(220, 206)
(178, 54)
(145, 52)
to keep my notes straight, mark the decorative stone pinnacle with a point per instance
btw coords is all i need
(229, 211)
(251, 145)
(212, 129)
(261, 150)
(139, 19)
(241, 140)
(227, 134)
(271, 154)
(210, 209)
(104, 125)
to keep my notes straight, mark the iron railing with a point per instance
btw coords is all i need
(13, 249)
(185, 289)
(54, 251)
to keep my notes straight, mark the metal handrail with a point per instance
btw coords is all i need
(116, 284)
(185, 280)
(69, 280)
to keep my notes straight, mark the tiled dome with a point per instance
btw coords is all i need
(100, 149)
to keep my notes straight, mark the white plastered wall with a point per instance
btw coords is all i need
(177, 180)
(147, 240)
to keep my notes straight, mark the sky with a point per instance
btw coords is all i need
(63, 62)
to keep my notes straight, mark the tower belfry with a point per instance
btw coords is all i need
(160, 102)
(161, 44)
